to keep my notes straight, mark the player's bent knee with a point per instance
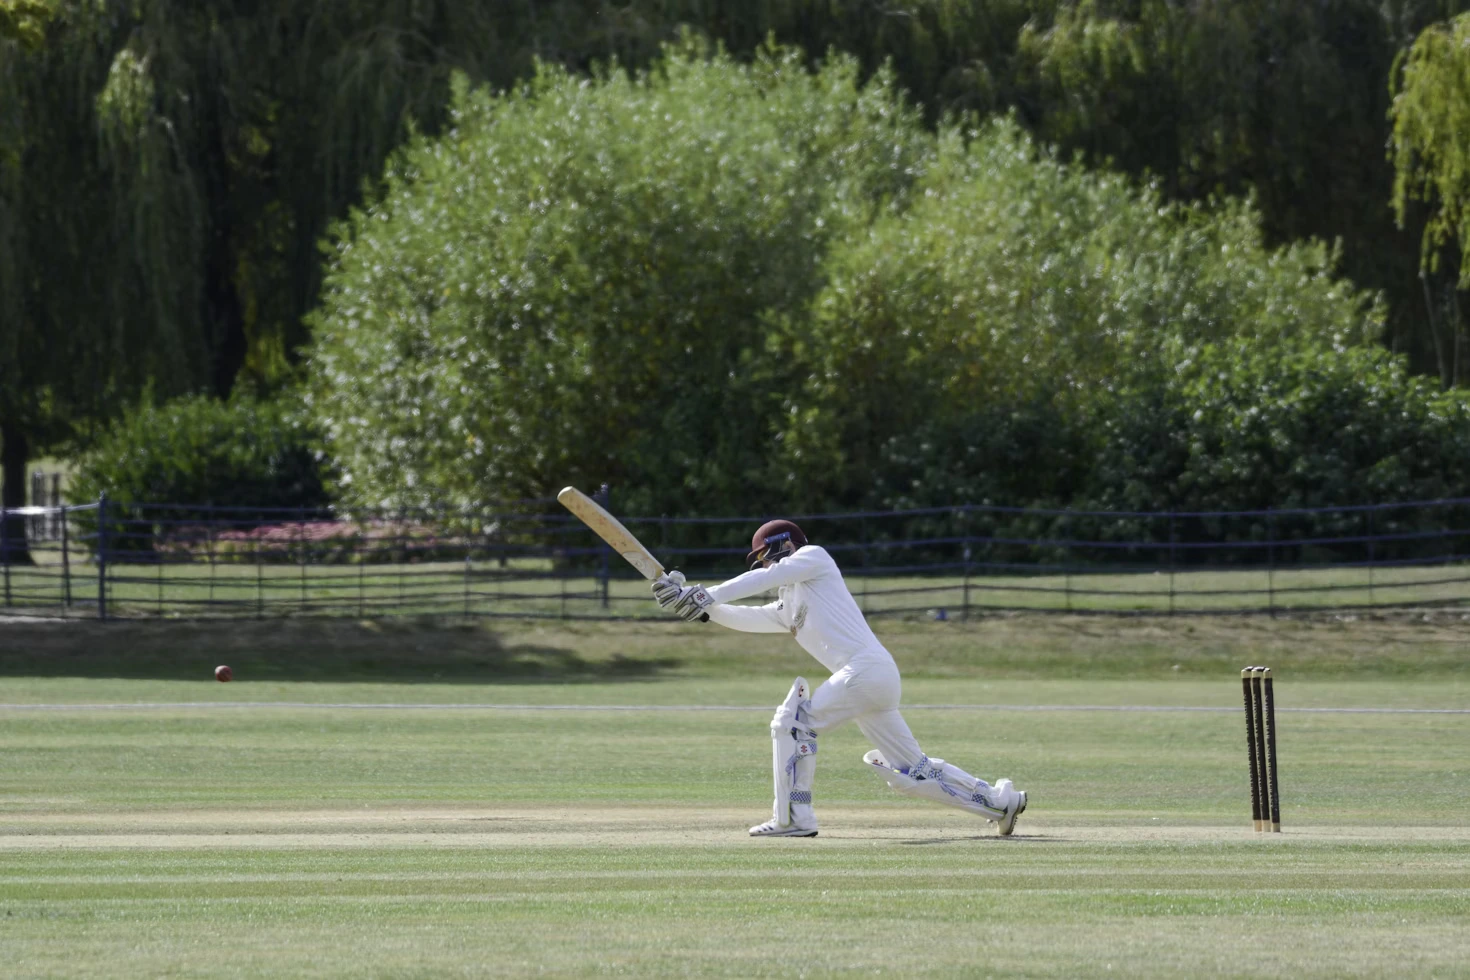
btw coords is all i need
(798, 702)
(792, 721)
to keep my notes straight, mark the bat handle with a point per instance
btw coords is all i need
(704, 617)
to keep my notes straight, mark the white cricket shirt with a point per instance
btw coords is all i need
(814, 606)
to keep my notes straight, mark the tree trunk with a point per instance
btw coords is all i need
(1444, 374)
(224, 313)
(15, 452)
(222, 307)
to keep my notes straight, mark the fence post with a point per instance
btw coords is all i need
(102, 557)
(1448, 539)
(301, 553)
(259, 584)
(1066, 559)
(605, 493)
(965, 609)
(1271, 563)
(5, 550)
(1173, 537)
(1371, 557)
(36, 526)
(400, 537)
(65, 560)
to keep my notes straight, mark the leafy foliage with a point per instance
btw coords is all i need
(95, 297)
(1431, 115)
(730, 287)
(576, 282)
(265, 118)
(202, 451)
(1241, 426)
(94, 287)
(24, 21)
(736, 286)
(1016, 289)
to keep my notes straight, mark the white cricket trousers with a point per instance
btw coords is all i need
(867, 690)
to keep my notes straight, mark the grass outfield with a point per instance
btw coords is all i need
(573, 800)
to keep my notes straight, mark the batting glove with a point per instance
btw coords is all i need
(692, 602)
(666, 588)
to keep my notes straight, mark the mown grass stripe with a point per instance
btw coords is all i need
(473, 706)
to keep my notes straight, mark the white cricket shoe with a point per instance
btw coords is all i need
(773, 829)
(1015, 800)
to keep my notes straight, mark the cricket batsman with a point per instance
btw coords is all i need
(815, 607)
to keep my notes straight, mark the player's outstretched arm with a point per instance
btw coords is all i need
(807, 563)
(749, 619)
(668, 588)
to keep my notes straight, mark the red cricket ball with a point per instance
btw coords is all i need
(223, 673)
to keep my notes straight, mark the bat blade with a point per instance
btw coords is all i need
(611, 530)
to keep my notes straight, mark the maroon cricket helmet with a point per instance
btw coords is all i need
(772, 534)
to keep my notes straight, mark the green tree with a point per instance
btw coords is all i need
(166, 172)
(1019, 288)
(24, 21)
(196, 153)
(577, 281)
(1242, 426)
(183, 457)
(1278, 99)
(1431, 155)
(92, 284)
(737, 286)
(274, 114)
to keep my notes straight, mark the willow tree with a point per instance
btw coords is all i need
(280, 110)
(166, 171)
(24, 21)
(1431, 155)
(93, 305)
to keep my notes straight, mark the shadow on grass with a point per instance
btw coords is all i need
(394, 652)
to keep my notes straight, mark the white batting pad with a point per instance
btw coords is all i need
(793, 759)
(937, 780)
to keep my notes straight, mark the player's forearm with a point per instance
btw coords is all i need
(747, 619)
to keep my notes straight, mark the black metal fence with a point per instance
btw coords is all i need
(530, 558)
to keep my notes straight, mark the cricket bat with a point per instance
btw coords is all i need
(611, 530)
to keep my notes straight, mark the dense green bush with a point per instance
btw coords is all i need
(202, 451)
(1246, 427)
(1243, 426)
(1274, 444)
